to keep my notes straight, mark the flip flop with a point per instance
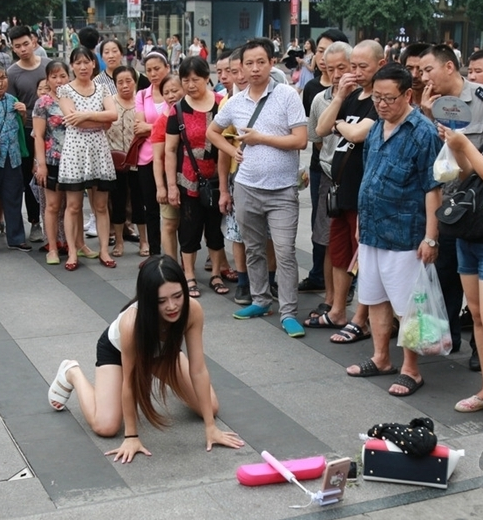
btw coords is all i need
(327, 323)
(60, 390)
(408, 382)
(352, 333)
(321, 308)
(369, 369)
(229, 274)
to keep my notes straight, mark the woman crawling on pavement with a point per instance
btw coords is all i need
(143, 343)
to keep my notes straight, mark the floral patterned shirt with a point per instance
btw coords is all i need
(48, 109)
(9, 146)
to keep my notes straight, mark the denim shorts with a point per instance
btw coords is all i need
(470, 257)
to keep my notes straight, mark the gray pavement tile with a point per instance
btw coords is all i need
(11, 460)
(22, 498)
(259, 422)
(71, 469)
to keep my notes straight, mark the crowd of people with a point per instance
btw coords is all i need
(147, 143)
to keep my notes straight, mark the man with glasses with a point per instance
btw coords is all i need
(398, 228)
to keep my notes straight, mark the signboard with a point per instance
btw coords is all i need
(294, 12)
(134, 8)
(304, 13)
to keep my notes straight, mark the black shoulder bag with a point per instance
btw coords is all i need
(461, 215)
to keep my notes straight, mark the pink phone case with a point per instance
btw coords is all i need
(261, 474)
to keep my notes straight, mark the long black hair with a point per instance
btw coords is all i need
(153, 356)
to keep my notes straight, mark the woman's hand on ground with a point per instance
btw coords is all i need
(128, 450)
(215, 436)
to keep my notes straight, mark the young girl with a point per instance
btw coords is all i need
(144, 343)
(172, 91)
(86, 160)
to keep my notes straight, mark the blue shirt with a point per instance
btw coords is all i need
(9, 132)
(398, 173)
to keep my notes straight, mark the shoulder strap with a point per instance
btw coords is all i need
(184, 138)
(256, 113)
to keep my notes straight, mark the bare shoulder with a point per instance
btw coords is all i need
(126, 324)
(196, 315)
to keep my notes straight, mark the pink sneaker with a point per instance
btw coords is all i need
(472, 404)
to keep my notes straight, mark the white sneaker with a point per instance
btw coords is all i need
(87, 225)
(36, 233)
(91, 232)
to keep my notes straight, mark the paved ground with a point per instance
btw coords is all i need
(288, 396)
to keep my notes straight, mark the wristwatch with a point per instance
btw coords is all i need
(431, 242)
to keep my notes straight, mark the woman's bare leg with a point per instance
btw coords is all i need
(100, 404)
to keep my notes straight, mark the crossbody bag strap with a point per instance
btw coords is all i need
(184, 138)
(256, 113)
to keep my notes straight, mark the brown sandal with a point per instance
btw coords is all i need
(193, 290)
(218, 287)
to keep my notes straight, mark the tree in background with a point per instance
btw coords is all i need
(382, 16)
(33, 11)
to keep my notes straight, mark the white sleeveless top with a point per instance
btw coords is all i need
(114, 332)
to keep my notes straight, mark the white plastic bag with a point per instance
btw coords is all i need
(445, 167)
(425, 326)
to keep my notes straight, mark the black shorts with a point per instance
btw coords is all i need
(52, 177)
(107, 353)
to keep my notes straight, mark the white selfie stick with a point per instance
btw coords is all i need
(286, 473)
(323, 498)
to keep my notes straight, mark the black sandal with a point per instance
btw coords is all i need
(218, 287)
(193, 290)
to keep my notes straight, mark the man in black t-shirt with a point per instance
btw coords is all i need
(351, 114)
(315, 280)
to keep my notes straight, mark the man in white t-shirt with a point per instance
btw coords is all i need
(266, 193)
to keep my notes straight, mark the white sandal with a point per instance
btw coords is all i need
(61, 389)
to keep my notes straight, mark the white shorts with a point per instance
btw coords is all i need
(387, 276)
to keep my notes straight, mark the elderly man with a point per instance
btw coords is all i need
(397, 224)
(337, 63)
(350, 114)
(265, 190)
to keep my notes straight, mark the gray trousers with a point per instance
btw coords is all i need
(257, 209)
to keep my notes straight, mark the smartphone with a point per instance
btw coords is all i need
(335, 476)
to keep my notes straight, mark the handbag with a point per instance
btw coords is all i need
(208, 189)
(461, 215)
(119, 160)
(333, 206)
(132, 155)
